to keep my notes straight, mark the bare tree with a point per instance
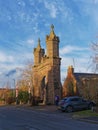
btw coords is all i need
(94, 47)
(89, 89)
(26, 80)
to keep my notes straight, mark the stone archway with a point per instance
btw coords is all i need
(43, 90)
(46, 69)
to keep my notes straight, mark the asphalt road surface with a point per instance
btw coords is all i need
(19, 118)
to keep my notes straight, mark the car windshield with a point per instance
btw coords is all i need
(65, 99)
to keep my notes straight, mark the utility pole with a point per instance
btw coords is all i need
(29, 91)
(14, 87)
(15, 91)
(16, 95)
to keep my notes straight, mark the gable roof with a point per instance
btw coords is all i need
(79, 76)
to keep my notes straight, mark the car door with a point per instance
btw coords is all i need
(84, 104)
(76, 103)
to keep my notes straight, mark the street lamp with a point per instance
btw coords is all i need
(16, 95)
(14, 88)
(29, 91)
(15, 91)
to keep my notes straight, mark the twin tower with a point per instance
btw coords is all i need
(46, 69)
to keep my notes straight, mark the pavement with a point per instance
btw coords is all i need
(49, 108)
(53, 108)
(93, 120)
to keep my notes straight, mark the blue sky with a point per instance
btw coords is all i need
(22, 22)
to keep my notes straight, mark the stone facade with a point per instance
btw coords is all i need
(46, 69)
(70, 83)
(83, 84)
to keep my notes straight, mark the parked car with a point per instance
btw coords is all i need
(70, 104)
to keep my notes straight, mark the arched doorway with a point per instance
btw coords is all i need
(43, 90)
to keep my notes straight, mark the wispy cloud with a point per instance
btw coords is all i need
(6, 58)
(59, 9)
(52, 9)
(89, 8)
(69, 49)
(87, 1)
(30, 41)
(80, 64)
(23, 22)
(21, 3)
(92, 12)
(95, 1)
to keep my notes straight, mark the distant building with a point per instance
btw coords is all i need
(78, 83)
(4, 94)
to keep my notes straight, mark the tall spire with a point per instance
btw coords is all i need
(39, 46)
(38, 40)
(52, 34)
(70, 70)
(52, 28)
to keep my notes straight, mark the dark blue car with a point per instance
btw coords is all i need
(70, 104)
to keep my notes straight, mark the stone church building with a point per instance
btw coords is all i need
(83, 84)
(47, 78)
(46, 69)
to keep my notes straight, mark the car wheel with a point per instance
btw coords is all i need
(69, 109)
(90, 106)
(63, 110)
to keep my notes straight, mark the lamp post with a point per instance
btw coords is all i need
(14, 88)
(15, 92)
(16, 95)
(29, 91)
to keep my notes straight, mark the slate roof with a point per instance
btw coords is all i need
(79, 76)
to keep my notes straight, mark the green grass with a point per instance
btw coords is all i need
(85, 113)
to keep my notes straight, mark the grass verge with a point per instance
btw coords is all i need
(85, 113)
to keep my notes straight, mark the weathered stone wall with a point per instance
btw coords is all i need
(48, 67)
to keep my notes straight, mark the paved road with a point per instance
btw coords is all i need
(18, 118)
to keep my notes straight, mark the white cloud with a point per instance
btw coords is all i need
(65, 62)
(6, 58)
(89, 8)
(95, 1)
(52, 9)
(92, 13)
(80, 64)
(21, 3)
(68, 49)
(60, 9)
(34, 18)
(30, 41)
(87, 1)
